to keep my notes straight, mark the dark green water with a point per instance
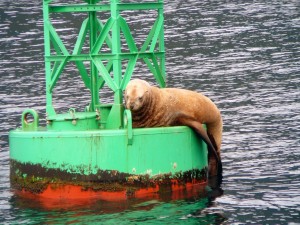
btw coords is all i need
(244, 55)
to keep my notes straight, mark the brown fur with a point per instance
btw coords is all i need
(155, 107)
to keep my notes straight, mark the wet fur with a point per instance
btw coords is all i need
(155, 107)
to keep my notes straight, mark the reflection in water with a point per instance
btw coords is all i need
(198, 207)
(244, 55)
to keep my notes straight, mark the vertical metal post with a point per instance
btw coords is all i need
(162, 43)
(94, 72)
(116, 114)
(49, 107)
(116, 49)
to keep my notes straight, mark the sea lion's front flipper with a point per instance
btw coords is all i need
(198, 128)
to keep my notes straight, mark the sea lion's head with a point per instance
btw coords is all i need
(137, 94)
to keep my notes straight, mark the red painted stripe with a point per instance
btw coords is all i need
(70, 195)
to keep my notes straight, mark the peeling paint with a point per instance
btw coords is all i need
(174, 165)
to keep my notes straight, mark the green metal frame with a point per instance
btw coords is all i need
(57, 56)
(88, 147)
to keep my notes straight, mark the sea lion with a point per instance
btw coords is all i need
(159, 107)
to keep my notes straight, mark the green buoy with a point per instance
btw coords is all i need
(96, 153)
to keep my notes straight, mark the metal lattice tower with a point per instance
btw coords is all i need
(97, 34)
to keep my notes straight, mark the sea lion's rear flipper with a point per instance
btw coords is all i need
(198, 128)
(219, 163)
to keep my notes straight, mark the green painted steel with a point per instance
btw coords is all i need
(28, 125)
(152, 151)
(67, 145)
(101, 138)
(103, 33)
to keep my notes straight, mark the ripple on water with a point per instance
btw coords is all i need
(243, 55)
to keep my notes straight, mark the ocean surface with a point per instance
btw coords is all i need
(244, 55)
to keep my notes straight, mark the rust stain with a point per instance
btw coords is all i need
(36, 179)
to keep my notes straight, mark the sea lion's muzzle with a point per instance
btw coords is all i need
(131, 106)
(128, 105)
